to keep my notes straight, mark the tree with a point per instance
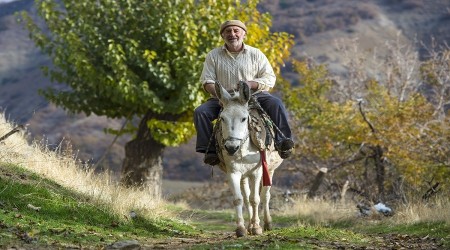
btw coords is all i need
(374, 128)
(141, 60)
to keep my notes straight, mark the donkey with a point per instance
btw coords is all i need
(243, 161)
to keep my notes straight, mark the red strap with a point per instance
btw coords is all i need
(266, 178)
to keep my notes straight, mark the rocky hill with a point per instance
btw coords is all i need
(316, 25)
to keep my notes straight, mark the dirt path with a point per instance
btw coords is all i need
(228, 240)
(216, 197)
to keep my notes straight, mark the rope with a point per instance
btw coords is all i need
(267, 120)
(216, 126)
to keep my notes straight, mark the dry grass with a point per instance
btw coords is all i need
(320, 212)
(436, 210)
(63, 168)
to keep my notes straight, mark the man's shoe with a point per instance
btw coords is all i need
(284, 147)
(211, 159)
(284, 144)
(285, 154)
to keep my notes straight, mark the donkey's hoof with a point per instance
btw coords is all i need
(249, 228)
(267, 226)
(257, 230)
(241, 231)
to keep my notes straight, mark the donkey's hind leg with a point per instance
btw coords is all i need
(245, 189)
(254, 202)
(265, 200)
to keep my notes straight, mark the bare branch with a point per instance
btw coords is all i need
(364, 116)
(13, 131)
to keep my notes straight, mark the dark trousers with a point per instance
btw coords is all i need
(209, 111)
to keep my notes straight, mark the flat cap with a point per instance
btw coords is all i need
(232, 23)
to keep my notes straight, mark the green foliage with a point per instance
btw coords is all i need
(126, 58)
(172, 133)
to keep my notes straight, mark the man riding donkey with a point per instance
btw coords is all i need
(233, 62)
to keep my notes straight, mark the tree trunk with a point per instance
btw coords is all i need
(142, 166)
(380, 172)
(317, 182)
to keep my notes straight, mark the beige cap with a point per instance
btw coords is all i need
(232, 23)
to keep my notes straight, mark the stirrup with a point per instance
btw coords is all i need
(285, 144)
(211, 159)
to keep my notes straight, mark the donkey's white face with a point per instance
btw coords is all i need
(234, 116)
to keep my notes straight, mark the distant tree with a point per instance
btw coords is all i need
(374, 126)
(141, 59)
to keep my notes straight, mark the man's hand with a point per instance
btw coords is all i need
(212, 90)
(252, 85)
(209, 87)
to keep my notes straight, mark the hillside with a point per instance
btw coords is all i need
(317, 25)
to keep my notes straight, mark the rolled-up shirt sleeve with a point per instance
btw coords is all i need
(208, 73)
(266, 76)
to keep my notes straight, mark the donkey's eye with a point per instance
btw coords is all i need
(244, 119)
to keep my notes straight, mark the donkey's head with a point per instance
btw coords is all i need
(234, 116)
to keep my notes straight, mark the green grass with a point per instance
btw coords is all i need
(294, 232)
(212, 221)
(435, 229)
(293, 237)
(286, 235)
(64, 217)
(438, 230)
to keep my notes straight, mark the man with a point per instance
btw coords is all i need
(228, 64)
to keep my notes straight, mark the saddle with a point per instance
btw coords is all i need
(260, 126)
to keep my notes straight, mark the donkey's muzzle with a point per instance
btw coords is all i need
(232, 146)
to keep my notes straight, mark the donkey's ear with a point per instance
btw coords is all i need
(221, 93)
(244, 92)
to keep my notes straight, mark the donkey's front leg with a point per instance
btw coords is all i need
(254, 201)
(245, 190)
(234, 182)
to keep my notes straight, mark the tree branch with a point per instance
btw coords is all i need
(13, 131)
(364, 116)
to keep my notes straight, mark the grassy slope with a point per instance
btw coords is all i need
(37, 212)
